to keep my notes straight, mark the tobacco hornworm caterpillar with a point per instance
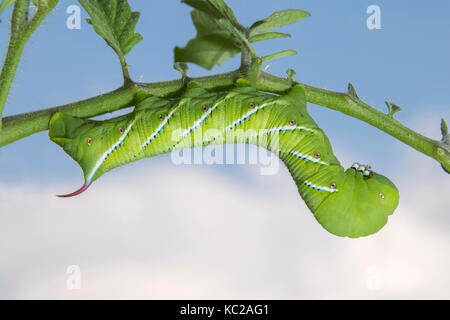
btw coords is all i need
(353, 203)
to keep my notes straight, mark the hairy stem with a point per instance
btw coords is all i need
(125, 72)
(15, 48)
(26, 124)
(22, 125)
(354, 107)
(21, 30)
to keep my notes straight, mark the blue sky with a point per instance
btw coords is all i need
(122, 241)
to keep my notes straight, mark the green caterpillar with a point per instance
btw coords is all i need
(352, 203)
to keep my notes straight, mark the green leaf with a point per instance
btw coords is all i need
(114, 22)
(268, 36)
(205, 25)
(237, 35)
(207, 51)
(215, 8)
(208, 25)
(279, 54)
(5, 4)
(278, 19)
(217, 40)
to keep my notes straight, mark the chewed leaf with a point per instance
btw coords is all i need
(208, 25)
(219, 35)
(114, 22)
(278, 19)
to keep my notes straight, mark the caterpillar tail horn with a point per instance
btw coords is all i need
(76, 193)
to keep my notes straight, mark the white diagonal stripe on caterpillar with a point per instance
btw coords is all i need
(197, 123)
(308, 158)
(108, 152)
(319, 188)
(285, 129)
(158, 130)
(244, 118)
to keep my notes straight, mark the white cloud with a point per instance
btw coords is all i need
(196, 232)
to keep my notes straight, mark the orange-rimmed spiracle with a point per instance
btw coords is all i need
(292, 122)
(89, 141)
(161, 117)
(205, 108)
(333, 185)
(251, 105)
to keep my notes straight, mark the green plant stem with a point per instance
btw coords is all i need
(21, 30)
(357, 108)
(22, 125)
(125, 72)
(14, 52)
(26, 124)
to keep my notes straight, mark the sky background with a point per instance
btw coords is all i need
(153, 229)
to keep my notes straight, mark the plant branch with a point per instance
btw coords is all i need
(21, 30)
(19, 16)
(351, 105)
(246, 59)
(26, 124)
(20, 126)
(125, 72)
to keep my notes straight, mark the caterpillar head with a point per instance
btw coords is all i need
(362, 205)
(87, 142)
